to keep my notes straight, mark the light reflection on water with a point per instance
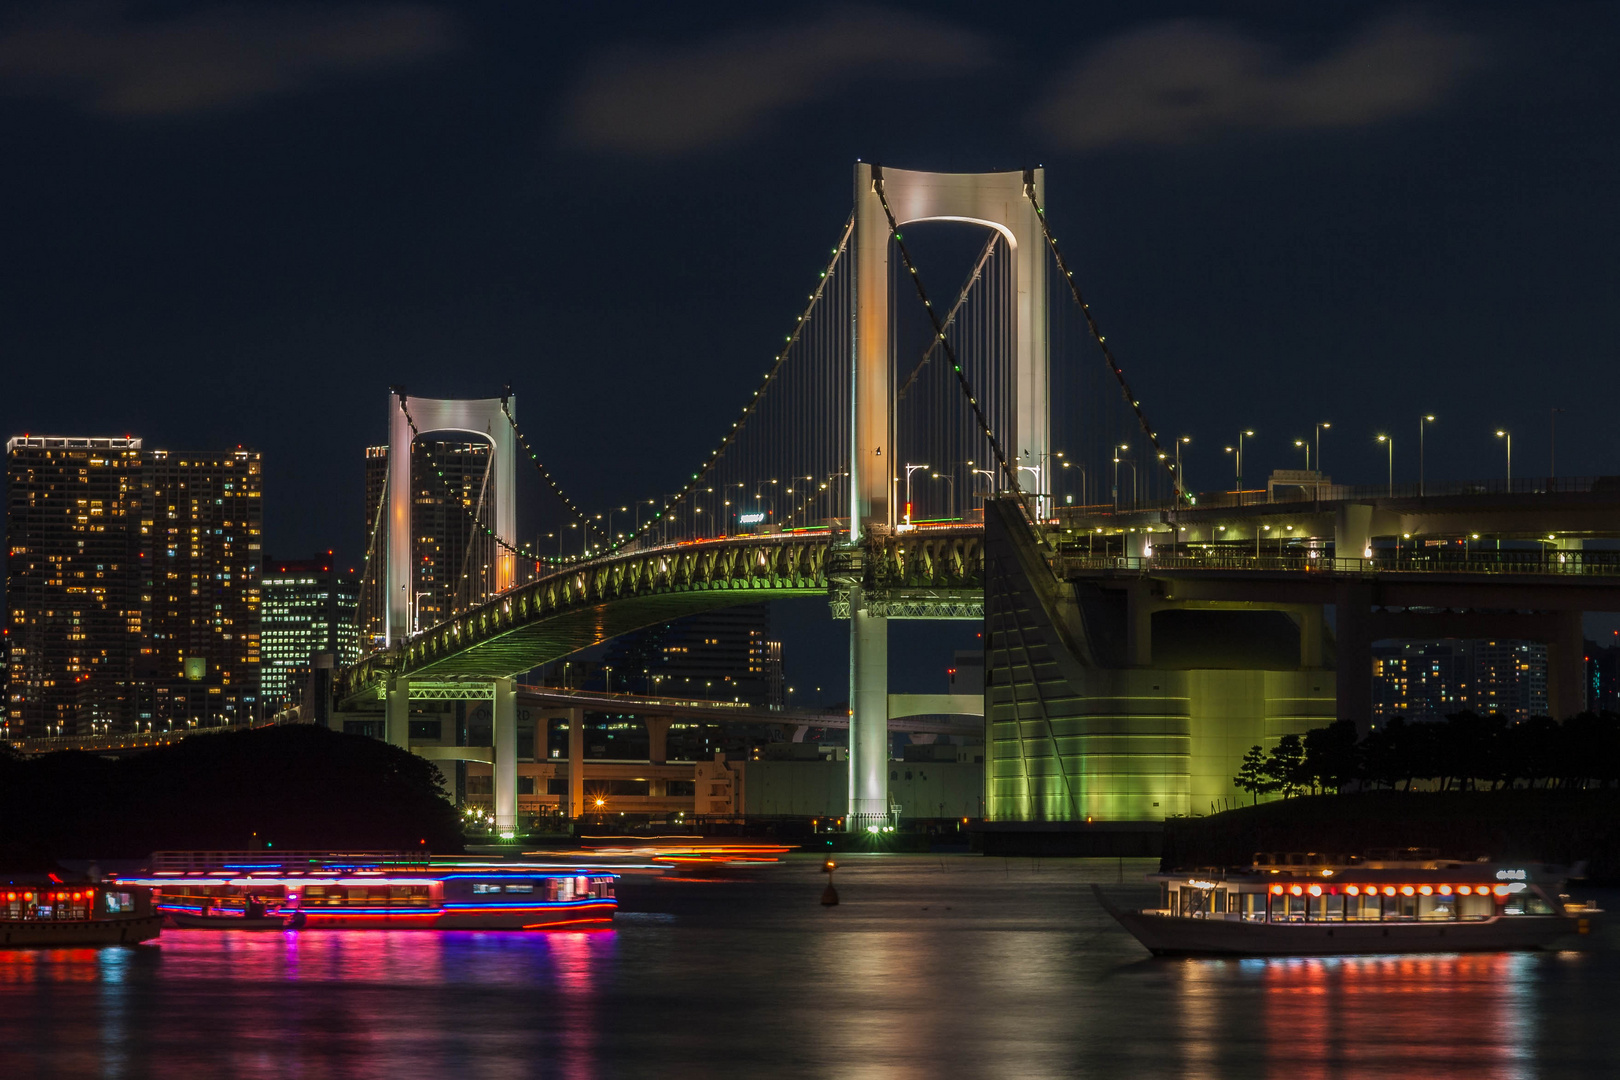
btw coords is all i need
(953, 967)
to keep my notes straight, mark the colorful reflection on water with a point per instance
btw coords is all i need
(928, 968)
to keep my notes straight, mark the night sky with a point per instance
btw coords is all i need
(239, 224)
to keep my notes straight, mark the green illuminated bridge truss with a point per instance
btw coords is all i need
(937, 573)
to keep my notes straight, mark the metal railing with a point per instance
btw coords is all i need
(1214, 500)
(1573, 563)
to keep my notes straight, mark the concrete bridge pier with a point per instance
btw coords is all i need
(505, 767)
(1352, 532)
(397, 712)
(657, 739)
(576, 763)
(869, 718)
(1566, 667)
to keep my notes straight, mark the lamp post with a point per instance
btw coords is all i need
(1319, 427)
(1241, 436)
(1237, 470)
(1508, 435)
(1391, 442)
(1181, 480)
(1307, 447)
(1423, 421)
(951, 512)
(611, 512)
(909, 470)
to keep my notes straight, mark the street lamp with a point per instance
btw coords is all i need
(1319, 427)
(1508, 435)
(1181, 481)
(1237, 470)
(1307, 448)
(1423, 421)
(909, 470)
(1391, 442)
(1241, 436)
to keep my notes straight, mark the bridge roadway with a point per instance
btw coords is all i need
(932, 572)
(1560, 512)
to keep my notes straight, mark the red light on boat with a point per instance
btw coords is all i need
(1389, 890)
(1426, 890)
(1276, 890)
(1315, 890)
(28, 896)
(1501, 890)
(1296, 890)
(1352, 890)
(1407, 890)
(11, 896)
(1445, 890)
(1465, 890)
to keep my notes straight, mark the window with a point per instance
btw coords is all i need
(480, 888)
(427, 730)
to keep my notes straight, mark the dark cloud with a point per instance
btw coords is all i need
(656, 100)
(1182, 81)
(108, 61)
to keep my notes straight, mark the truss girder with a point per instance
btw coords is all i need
(585, 605)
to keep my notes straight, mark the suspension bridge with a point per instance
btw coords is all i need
(908, 454)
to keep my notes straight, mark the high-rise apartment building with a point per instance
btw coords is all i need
(1429, 680)
(307, 607)
(453, 559)
(74, 589)
(204, 516)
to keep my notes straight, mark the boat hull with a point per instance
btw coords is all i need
(472, 918)
(1169, 935)
(47, 934)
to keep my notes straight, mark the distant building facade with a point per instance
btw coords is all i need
(722, 655)
(1429, 680)
(75, 598)
(309, 607)
(132, 593)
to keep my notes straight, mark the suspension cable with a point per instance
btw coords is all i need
(545, 474)
(1097, 334)
(753, 402)
(950, 353)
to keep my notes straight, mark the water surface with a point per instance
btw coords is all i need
(931, 966)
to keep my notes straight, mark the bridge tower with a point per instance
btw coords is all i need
(484, 418)
(998, 201)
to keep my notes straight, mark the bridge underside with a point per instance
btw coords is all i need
(529, 645)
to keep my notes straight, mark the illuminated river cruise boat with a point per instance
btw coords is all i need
(1311, 905)
(48, 913)
(370, 890)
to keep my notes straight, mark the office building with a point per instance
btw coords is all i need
(722, 655)
(74, 590)
(308, 607)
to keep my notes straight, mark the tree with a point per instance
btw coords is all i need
(1331, 760)
(1285, 766)
(1252, 776)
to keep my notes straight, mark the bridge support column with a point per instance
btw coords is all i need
(397, 712)
(505, 768)
(1352, 531)
(576, 763)
(1566, 668)
(1352, 624)
(868, 718)
(657, 739)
